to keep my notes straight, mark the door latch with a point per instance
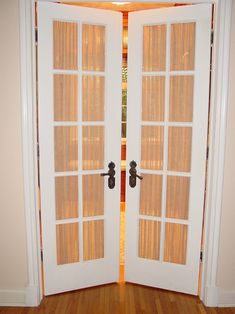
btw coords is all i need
(111, 174)
(133, 174)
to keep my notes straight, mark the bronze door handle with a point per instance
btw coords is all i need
(133, 174)
(111, 174)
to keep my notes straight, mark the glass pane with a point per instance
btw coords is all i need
(183, 46)
(66, 148)
(65, 97)
(124, 98)
(93, 195)
(152, 147)
(93, 239)
(65, 42)
(177, 199)
(181, 98)
(124, 111)
(93, 47)
(154, 48)
(93, 98)
(67, 243)
(175, 247)
(93, 147)
(66, 197)
(151, 195)
(149, 239)
(153, 98)
(124, 129)
(179, 148)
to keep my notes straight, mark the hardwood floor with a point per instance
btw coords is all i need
(122, 298)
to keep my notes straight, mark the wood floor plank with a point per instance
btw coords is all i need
(121, 298)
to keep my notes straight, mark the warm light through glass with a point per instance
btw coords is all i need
(120, 3)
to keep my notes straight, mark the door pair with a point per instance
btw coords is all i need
(79, 73)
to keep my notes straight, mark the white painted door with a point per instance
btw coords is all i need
(79, 76)
(167, 118)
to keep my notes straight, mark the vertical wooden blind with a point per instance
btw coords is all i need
(149, 234)
(66, 197)
(93, 47)
(175, 243)
(182, 51)
(67, 243)
(65, 45)
(93, 147)
(181, 98)
(179, 148)
(153, 98)
(152, 138)
(151, 195)
(93, 195)
(177, 199)
(93, 93)
(154, 48)
(66, 148)
(65, 97)
(93, 239)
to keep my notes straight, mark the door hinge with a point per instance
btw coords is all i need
(201, 256)
(207, 153)
(36, 35)
(38, 153)
(212, 38)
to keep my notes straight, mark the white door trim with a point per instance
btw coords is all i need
(218, 122)
(33, 293)
(218, 118)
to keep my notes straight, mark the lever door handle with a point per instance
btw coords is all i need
(133, 174)
(111, 174)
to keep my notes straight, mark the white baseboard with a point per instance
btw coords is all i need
(25, 297)
(217, 297)
(12, 297)
(226, 298)
(210, 297)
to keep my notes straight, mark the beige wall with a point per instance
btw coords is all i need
(13, 270)
(226, 266)
(13, 266)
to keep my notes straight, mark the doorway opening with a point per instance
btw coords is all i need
(125, 9)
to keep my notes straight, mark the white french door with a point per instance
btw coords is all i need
(79, 92)
(167, 117)
(79, 76)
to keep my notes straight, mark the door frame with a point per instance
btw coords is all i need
(209, 292)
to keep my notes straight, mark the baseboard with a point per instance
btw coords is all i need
(25, 297)
(210, 297)
(12, 297)
(226, 298)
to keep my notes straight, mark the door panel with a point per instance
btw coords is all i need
(153, 98)
(154, 48)
(65, 55)
(168, 95)
(79, 133)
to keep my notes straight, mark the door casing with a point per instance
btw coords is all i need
(218, 118)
